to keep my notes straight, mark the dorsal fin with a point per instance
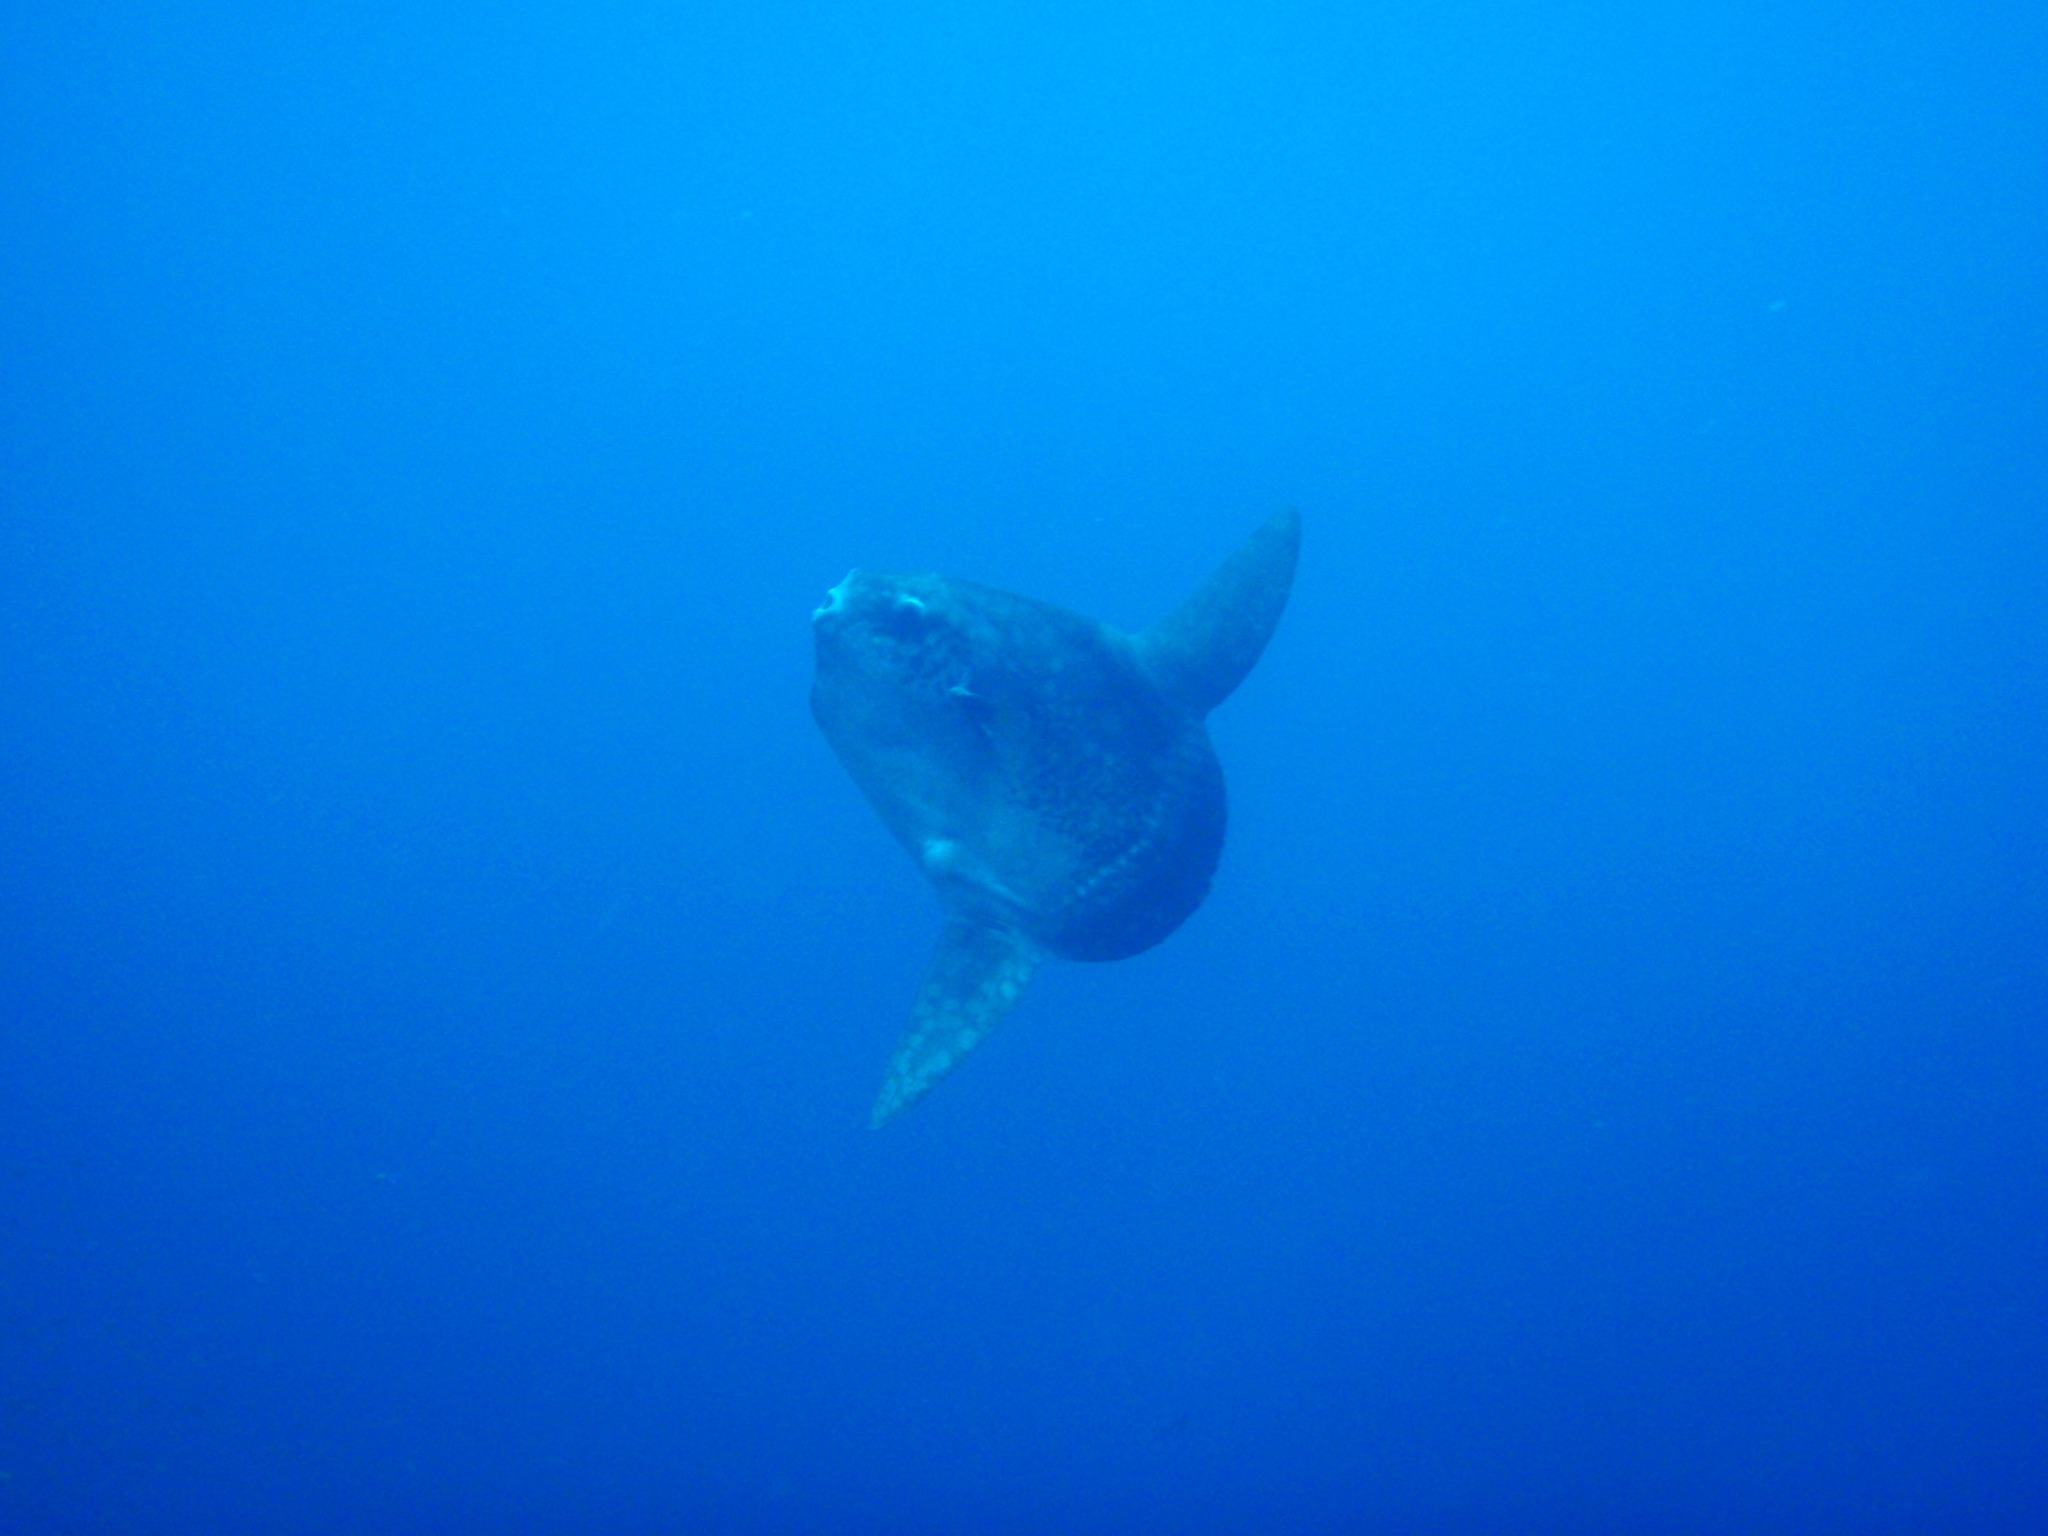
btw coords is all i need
(1200, 652)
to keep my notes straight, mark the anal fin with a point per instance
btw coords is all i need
(975, 976)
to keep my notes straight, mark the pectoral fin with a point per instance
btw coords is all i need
(974, 978)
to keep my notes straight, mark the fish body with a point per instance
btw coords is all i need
(1051, 776)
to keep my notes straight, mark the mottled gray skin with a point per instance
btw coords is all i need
(1051, 776)
(1016, 751)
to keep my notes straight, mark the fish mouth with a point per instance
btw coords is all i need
(835, 599)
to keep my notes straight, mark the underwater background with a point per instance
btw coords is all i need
(444, 973)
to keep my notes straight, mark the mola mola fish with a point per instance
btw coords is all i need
(1050, 775)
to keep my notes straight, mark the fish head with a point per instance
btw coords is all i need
(895, 695)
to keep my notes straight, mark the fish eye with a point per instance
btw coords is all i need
(906, 618)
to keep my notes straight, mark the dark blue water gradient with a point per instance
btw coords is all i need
(443, 976)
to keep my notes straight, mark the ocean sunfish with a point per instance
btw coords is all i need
(1050, 775)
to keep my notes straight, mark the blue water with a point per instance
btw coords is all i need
(444, 974)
